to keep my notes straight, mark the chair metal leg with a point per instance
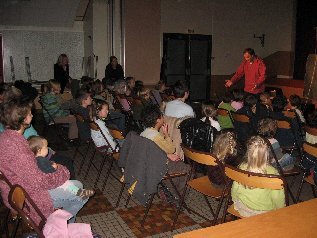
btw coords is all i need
(128, 200)
(107, 174)
(100, 170)
(120, 194)
(300, 188)
(182, 199)
(90, 163)
(150, 201)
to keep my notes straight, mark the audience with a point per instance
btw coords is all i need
(225, 121)
(238, 96)
(139, 105)
(178, 108)
(312, 122)
(253, 201)
(295, 102)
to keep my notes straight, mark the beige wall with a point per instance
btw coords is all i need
(142, 40)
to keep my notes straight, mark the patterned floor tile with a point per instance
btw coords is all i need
(159, 219)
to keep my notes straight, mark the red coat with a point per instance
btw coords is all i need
(254, 75)
(18, 164)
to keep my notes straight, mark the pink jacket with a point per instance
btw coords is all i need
(56, 227)
(18, 164)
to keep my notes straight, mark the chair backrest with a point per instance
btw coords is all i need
(255, 180)
(51, 119)
(240, 117)
(223, 112)
(311, 130)
(200, 157)
(116, 134)
(310, 149)
(79, 118)
(20, 201)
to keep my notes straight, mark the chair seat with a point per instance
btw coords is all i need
(233, 211)
(310, 180)
(204, 186)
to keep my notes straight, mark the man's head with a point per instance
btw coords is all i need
(180, 90)
(249, 54)
(153, 117)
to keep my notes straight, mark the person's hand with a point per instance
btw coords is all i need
(54, 165)
(173, 157)
(228, 84)
(165, 129)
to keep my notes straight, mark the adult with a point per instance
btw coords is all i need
(114, 71)
(61, 71)
(253, 69)
(19, 165)
(178, 108)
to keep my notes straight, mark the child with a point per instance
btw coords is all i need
(139, 105)
(225, 121)
(53, 109)
(295, 102)
(253, 201)
(238, 96)
(100, 113)
(38, 145)
(209, 111)
(225, 149)
(131, 86)
(267, 128)
(265, 99)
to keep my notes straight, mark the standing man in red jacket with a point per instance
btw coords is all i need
(253, 69)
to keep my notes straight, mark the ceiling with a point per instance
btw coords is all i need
(42, 13)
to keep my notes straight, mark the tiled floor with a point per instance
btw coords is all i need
(122, 221)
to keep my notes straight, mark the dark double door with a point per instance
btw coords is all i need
(188, 57)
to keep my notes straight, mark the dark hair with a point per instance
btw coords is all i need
(238, 94)
(36, 143)
(228, 97)
(81, 96)
(179, 89)
(295, 100)
(312, 119)
(250, 100)
(250, 51)
(97, 106)
(112, 58)
(267, 128)
(279, 103)
(150, 115)
(13, 111)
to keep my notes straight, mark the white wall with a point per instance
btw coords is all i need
(232, 24)
(42, 46)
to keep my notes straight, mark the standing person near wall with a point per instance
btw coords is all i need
(253, 69)
(114, 71)
(61, 71)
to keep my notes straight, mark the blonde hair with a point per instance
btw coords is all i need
(225, 144)
(257, 155)
(36, 143)
(53, 84)
(209, 109)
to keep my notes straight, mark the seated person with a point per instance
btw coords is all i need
(100, 113)
(210, 112)
(131, 86)
(39, 147)
(225, 121)
(178, 108)
(225, 149)
(267, 128)
(252, 201)
(295, 102)
(265, 99)
(141, 103)
(312, 122)
(54, 109)
(154, 122)
(238, 96)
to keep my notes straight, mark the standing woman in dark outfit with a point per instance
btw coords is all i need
(61, 71)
